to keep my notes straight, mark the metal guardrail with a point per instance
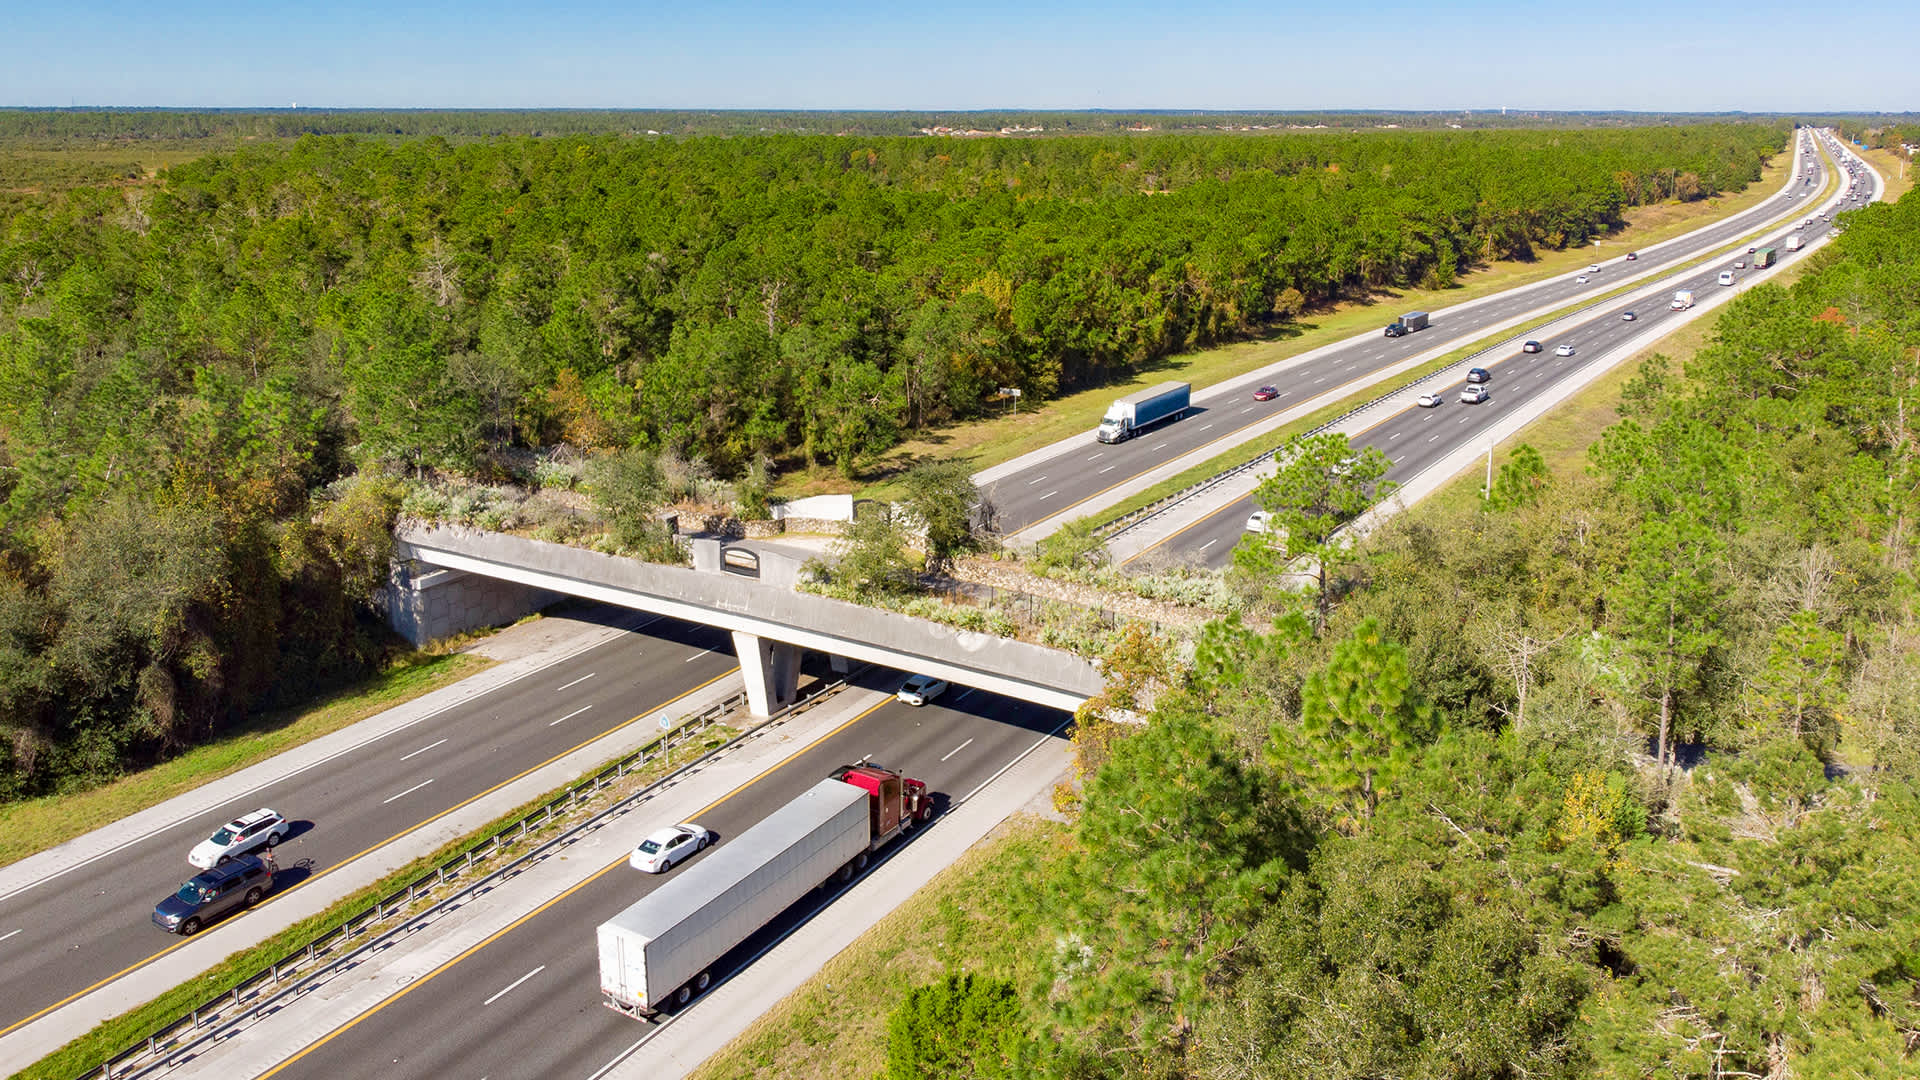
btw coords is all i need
(262, 991)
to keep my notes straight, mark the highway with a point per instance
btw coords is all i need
(1416, 438)
(1087, 468)
(527, 1004)
(82, 928)
(72, 932)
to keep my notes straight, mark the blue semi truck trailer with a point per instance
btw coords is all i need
(1136, 412)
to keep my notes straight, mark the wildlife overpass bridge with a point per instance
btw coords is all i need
(771, 625)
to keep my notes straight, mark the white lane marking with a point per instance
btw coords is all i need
(425, 748)
(575, 682)
(963, 697)
(695, 656)
(1162, 446)
(515, 983)
(407, 792)
(571, 715)
(8, 934)
(1036, 479)
(1248, 409)
(1048, 495)
(1463, 419)
(1209, 543)
(1102, 453)
(1286, 393)
(1108, 469)
(1319, 380)
(1394, 436)
(1204, 427)
(1430, 438)
(957, 749)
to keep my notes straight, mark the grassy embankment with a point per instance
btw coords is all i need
(1563, 435)
(988, 442)
(92, 1050)
(968, 918)
(1894, 168)
(38, 824)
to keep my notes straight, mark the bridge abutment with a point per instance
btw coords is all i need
(427, 603)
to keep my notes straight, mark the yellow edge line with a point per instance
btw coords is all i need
(183, 942)
(515, 924)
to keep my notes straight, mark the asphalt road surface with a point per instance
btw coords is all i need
(68, 934)
(528, 1003)
(1084, 471)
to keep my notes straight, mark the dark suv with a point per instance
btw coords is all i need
(240, 883)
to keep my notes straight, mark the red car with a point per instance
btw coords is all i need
(1266, 393)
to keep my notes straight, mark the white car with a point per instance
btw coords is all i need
(1581, 280)
(1474, 394)
(921, 689)
(1594, 269)
(261, 828)
(1425, 401)
(1260, 521)
(658, 853)
(1564, 350)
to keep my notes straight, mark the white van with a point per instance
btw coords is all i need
(1726, 277)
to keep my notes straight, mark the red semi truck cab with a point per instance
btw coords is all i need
(895, 803)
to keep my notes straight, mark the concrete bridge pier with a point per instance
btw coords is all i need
(771, 670)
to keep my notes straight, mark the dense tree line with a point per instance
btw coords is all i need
(203, 354)
(92, 125)
(733, 298)
(1615, 776)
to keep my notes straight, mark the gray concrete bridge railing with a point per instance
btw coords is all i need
(770, 624)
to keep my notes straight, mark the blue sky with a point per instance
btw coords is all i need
(1714, 55)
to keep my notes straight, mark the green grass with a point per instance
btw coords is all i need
(38, 824)
(91, 1051)
(983, 443)
(834, 1027)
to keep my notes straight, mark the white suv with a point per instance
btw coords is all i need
(262, 828)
